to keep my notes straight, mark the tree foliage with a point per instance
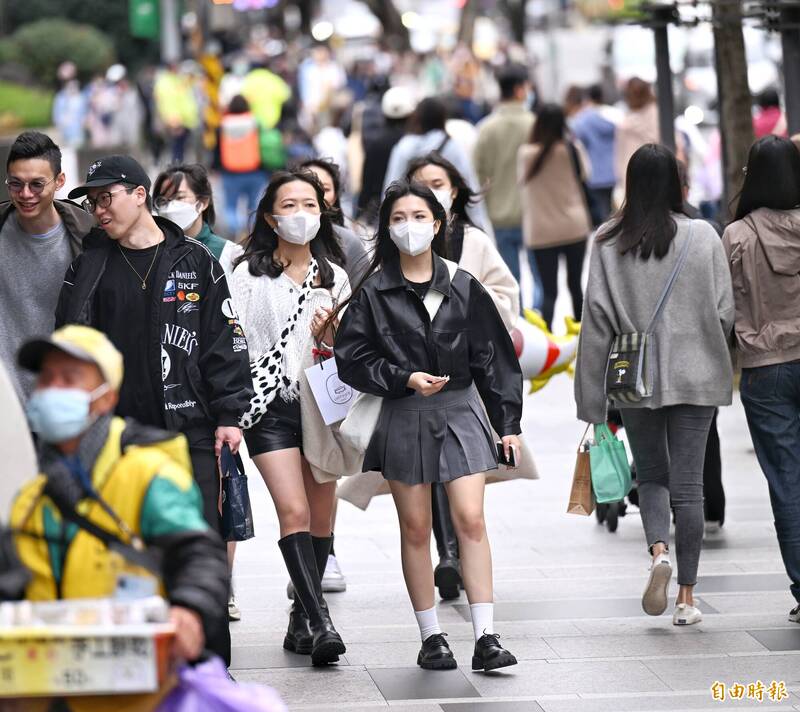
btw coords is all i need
(108, 16)
(41, 46)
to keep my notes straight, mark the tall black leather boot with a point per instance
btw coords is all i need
(322, 548)
(298, 553)
(447, 575)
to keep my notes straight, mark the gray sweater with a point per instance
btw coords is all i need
(690, 356)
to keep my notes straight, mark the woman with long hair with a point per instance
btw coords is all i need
(763, 248)
(687, 370)
(329, 176)
(286, 284)
(427, 338)
(474, 251)
(182, 193)
(551, 170)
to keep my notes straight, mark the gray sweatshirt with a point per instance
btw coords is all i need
(690, 357)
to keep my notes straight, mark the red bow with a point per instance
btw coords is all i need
(321, 353)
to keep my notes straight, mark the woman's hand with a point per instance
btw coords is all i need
(318, 326)
(425, 384)
(510, 441)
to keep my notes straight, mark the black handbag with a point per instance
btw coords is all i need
(237, 516)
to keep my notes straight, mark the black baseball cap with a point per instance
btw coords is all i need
(110, 170)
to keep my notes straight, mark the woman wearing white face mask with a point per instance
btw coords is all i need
(182, 194)
(427, 338)
(286, 284)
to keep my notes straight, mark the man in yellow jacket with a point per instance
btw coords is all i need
(132, 481)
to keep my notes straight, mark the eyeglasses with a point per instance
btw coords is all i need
(103, 200)
(35, 186)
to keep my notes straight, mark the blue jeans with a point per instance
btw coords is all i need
(241, 185)
(771, 398)
(509, 245)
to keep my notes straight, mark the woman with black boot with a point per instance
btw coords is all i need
(426, 337)
(286, 284)
(475, 252)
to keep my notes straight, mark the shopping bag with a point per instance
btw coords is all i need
(611, 471)
(581, 497)
(237, 516)
(207, 686)
(359, 426)
(334, 398)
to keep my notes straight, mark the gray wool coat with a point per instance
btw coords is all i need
(691, 358)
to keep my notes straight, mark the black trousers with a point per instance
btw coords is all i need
(204, 466)
(547, 259)
(713, 492)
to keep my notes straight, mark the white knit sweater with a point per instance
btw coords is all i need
(265, 306)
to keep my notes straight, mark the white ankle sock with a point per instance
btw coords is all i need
(428, 622)
(482, 618)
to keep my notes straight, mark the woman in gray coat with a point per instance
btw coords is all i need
(688, 369)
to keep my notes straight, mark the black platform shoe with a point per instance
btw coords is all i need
(299, 638)
(447, 575)
(435, 654)
(490, 655)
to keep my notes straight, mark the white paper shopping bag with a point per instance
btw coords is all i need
(333, 397)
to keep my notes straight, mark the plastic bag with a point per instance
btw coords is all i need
(611, 471)
(237, 516)
(207, 688)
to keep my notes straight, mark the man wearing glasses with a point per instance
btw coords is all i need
(39, 237)
(163, 301)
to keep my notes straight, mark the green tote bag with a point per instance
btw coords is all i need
(611, 472)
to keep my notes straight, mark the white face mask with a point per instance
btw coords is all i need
(412, 238)
(300, 228)
(445, 198)
(182, 214)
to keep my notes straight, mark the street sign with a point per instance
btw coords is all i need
(144, 18)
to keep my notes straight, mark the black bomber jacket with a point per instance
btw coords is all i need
(203, 362)
(386, 335)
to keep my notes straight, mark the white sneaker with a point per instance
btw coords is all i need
(333, 580)
(234, 614)
(686, 615)
(654, 598)
(794, 614)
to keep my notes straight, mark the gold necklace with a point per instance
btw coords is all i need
(149, 269)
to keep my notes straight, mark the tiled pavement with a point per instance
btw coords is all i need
(567, 594)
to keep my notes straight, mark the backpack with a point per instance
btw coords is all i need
(273, 152)
(239, 147)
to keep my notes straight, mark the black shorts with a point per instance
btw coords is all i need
(278, 429)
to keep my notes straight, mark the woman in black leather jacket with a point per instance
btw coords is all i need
(431, 372)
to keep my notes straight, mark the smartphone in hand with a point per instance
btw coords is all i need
(511, 461)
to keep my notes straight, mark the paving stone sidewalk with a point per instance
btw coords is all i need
(568, 602)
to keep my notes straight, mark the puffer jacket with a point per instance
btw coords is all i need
(764, 255)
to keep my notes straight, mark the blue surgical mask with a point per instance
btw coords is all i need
(60, 414)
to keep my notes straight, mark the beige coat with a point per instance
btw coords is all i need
(482, 260)
(554, 210)
(763, 252)
(635, 130)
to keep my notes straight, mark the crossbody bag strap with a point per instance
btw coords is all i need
(670, 282)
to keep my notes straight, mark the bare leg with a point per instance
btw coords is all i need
(466, 508)
(321, 500)
(413, 504)
(282, 471)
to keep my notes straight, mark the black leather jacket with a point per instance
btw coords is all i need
(386, 335)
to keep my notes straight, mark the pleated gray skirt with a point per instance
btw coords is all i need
(422, 440)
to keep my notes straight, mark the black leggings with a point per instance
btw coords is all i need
(547, 262)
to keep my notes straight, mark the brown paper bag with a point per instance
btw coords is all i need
(581, 497)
